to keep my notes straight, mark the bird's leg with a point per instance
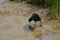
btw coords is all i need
(40, 24)
(35, 24)
(29, 23)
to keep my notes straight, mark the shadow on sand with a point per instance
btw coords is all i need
(26, 28)
(29, 28)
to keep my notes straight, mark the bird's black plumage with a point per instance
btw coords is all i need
(35, 17)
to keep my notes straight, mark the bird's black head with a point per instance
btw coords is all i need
(30, 20)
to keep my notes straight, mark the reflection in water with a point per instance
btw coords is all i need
(26, 28)
(35, 32)
(39, 33)
(29, 28)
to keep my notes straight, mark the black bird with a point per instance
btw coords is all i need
(35, 17)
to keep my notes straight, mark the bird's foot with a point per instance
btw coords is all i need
(40, 25)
